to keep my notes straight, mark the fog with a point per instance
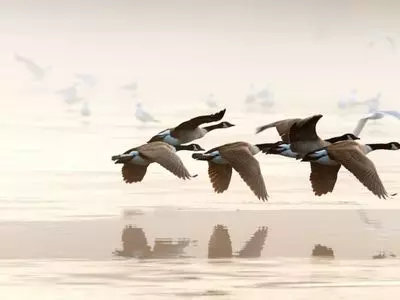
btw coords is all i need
(308, 52)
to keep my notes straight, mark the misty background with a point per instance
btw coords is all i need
(308, 52)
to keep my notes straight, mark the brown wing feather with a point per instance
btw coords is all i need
(220, 176)
(282, 126)
(133, 173)
(164, 154)
(304, 130)
(248, 168)
(323, 178)
(354, 160)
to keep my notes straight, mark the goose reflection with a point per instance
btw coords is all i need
(220, 244)
(135, 244)
(322, 251)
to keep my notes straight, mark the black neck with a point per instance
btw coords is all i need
(267, 146)
(380, 146)
(212, 127)
(184, 147)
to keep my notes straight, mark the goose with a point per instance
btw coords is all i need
(37, 71)
(144, 116)
(136, 160)
(285, 148)
(239, 156)
(380, 114)
(353, 156)
(190, 130)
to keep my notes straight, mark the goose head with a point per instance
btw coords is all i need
(190, 147)
(394, 145)
(226, 124)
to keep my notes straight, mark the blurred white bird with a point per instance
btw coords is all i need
(131, 87)
(70, 94)
(88, 79)
(210, 101)
(373, 103)
(85, 110)
(37, 71)
(383, 37)
(349, 100)
(374, 116)
(251, 94)
(266, 97)
(143, 116)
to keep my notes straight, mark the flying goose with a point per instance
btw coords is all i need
(136, 160)
(380, 114)
(143, 116)
(239, 156)
(190, 130)
(284, 147)
(352, 156)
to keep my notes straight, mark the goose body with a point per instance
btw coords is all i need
(353, 156)
(240, 157)
(376, 115)
(189, 131)
(136, 160)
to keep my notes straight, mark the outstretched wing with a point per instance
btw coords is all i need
(197, 121)
(164, 155)
(248, 168)
(361, 166)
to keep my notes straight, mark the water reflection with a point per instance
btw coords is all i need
(322, 251)
(220, 244)
(134, 244)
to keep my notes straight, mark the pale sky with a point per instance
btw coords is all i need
(185, 49)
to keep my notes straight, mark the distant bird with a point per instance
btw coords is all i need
(130, 86)
(85, 110)
(239, 156)
(353, 156)
(266, 98)
(251, 95)
(383, 37)
(144, 116)
(372, 103)
(88, 79)
(136, 160)
(374, 116)
(210, 101)
(189, 130)
(349, 101)
(70, 94)
(37, 71)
